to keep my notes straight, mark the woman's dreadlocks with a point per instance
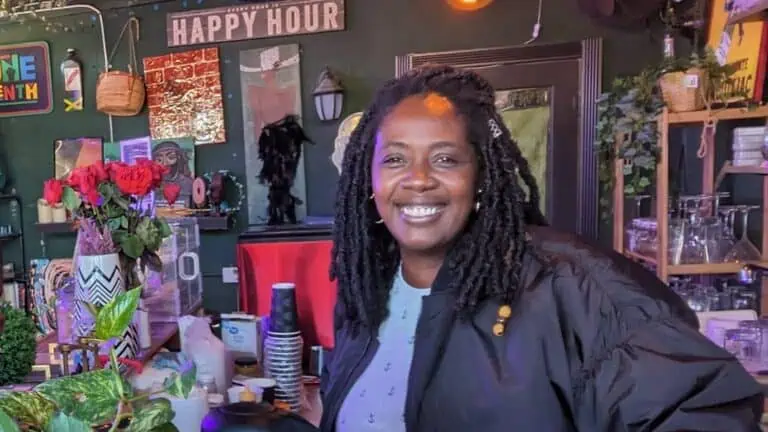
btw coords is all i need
(487, 257)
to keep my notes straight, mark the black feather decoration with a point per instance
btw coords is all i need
(280, 151)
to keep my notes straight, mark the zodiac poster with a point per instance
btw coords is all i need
(184, 96)
(69, 154)
(270, 82)
(526, 113)
(178, 154)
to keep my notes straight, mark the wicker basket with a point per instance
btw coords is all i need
(120, 93)
(684, 91)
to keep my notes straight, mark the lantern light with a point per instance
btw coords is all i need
(329, 96)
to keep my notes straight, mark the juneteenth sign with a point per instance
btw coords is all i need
(255, 21)
(25, 79)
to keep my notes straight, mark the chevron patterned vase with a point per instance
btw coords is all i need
(99, 280)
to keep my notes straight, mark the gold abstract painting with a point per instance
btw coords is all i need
(526, 113)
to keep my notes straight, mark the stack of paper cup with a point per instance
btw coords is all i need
(283, 346)
(748, 145)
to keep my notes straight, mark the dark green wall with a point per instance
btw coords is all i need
(364, 55)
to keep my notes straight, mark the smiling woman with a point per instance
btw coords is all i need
(457, 310)
(424, 175)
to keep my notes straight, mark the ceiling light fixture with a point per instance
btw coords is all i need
(468, 5)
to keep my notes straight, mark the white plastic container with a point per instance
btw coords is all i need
(178, 289)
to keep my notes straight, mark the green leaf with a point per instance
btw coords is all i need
(92, 396)
(132, 246)
(113, 224)
(123, 222)
(115, 365)
(113, 210)
(644, 182)
(157, 413)
(28, 408)
(107, 190)
(116, 315)
(65, 423)
(162, 225)
(7, 424)
(180, 384)
(70, 198)
(122, 202)
(148, 233)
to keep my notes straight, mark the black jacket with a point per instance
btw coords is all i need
(596, 344)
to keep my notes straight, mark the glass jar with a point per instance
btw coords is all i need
(207, 383)
(247, 367)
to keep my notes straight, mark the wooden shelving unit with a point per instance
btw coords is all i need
(709, 185)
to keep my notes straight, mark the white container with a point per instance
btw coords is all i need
(178, 289)
(748, 162)
(190, 412)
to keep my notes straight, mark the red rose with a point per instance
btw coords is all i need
(171, 192)
(133, 180)
(99, 171)
(52, 191)
(76, 177)
(158, 170)
(84, 181)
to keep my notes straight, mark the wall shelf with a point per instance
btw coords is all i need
(717, 114)
(56, 227)
(709, 184)
(205, 223)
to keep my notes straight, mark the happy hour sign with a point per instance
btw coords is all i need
(255, 21)
(25, 79)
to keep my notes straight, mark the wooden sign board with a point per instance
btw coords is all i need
(254, 21)
(744, 45)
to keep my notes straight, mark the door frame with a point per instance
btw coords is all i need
(589, 52)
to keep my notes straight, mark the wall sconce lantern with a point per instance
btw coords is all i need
(329, 96)
(468, 5)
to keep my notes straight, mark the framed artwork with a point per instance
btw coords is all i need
(184, 96)
(526, 113)
(71, 153)
(178, 155)
(270, 82)
(25, 79)
(744, 45)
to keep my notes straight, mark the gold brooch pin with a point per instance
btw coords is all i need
(503, 314)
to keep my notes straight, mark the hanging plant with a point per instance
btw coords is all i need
(627, 129)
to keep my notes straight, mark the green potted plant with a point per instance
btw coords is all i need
(627, 125)
(627, 129)
(100, 400)
(17, 345)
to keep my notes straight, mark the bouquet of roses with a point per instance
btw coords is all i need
(111, 196)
